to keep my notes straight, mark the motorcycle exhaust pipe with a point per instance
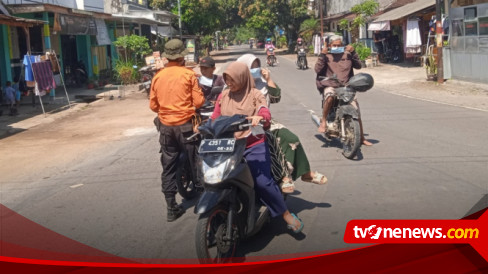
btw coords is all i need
(343, 131)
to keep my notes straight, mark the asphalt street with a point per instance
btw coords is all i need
(428, 161)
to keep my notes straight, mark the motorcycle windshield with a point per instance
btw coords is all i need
(222, 125)
(345, 94)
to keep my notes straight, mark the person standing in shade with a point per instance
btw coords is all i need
(175, 95)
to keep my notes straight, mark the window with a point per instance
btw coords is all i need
(470, 14)
(471, 28)
(457, 28)
(483, 21)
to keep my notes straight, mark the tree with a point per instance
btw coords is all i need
(308, 28)
(362, 11)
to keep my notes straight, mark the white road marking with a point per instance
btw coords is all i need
(75, 186)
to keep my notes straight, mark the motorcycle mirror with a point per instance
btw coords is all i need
(216, 90)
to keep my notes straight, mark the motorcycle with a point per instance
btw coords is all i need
(271, 59)
(302, 55)
(76, 75)
(186, 184)
(229, 209)
(147, 73)
(342, 120)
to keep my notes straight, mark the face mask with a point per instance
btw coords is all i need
(256, 72)
(337, 50)
(204, 81)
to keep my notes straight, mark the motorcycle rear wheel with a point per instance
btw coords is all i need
(186, 186)
(352, 143)
(209, 237)
(302, 63)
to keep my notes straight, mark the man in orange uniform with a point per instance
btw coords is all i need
(175, 95)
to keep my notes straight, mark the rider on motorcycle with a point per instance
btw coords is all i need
(301, 45)
(208, 79)
(340, 62)
(269, 45)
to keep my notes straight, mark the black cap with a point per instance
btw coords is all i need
(207, 62)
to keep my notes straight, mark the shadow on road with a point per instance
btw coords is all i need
(277, 227)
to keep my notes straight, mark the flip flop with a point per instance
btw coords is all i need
(318, 178)
(294, 228)
(287, 183)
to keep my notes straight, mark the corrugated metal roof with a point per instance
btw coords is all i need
(405, 10)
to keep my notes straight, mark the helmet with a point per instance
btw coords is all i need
(300, 40)
(268, 39)
(361, 82)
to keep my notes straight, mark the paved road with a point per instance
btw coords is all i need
(429, 161)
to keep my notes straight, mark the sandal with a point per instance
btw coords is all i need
(294, 227)
(287, 186)
(318, 178)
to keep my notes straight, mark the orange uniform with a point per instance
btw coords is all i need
(175, 94)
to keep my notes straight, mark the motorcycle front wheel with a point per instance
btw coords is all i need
(302, 63)
(352, 141)
(210, 237)
(184, 182)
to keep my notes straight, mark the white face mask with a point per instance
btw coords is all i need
(204, 81)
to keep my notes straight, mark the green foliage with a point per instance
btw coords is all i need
(281, 43)
(362, 50)
(135, 46)
(308, 27)
(203, 17)
(344, 24)
(243, 34)
(126, 72)
(362, 11)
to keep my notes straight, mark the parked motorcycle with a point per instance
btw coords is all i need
(271, 59)
(187, 185)
(302, 55)
(76, 75)
(229, 209)
(342, 120)
(147, 73)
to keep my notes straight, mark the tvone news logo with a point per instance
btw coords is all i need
(375, 232)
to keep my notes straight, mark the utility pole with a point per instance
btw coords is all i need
(179, 18)
(321, 18)
(439, 41)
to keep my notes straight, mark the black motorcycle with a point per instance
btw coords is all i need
(302, 59)
(342, 120)
(229, 209)
(185, 181)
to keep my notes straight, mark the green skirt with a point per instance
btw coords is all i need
(293, 150)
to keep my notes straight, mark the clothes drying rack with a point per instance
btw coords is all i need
(52, 52)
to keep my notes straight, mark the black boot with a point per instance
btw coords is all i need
(175, 212)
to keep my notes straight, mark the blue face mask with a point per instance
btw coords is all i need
(337, 50)
(256, 73)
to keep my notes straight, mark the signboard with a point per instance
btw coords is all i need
(77, 25)
(102, 33)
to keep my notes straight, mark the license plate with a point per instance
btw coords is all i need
(217, 145)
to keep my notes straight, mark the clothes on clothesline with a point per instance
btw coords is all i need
(44, 75)
(27, 64)
(413, 34)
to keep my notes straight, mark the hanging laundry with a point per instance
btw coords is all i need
(28, 68)
(413, 34)
(44, 75)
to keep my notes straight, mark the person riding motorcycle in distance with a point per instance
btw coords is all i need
(268, 45)
(301, 45)
(339, 62)
(208, 79)
(242, 98)
(175, 95)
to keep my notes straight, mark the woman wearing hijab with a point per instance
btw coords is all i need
(242, 98)
(297, 161)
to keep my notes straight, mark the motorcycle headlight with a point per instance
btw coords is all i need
(215, 175)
